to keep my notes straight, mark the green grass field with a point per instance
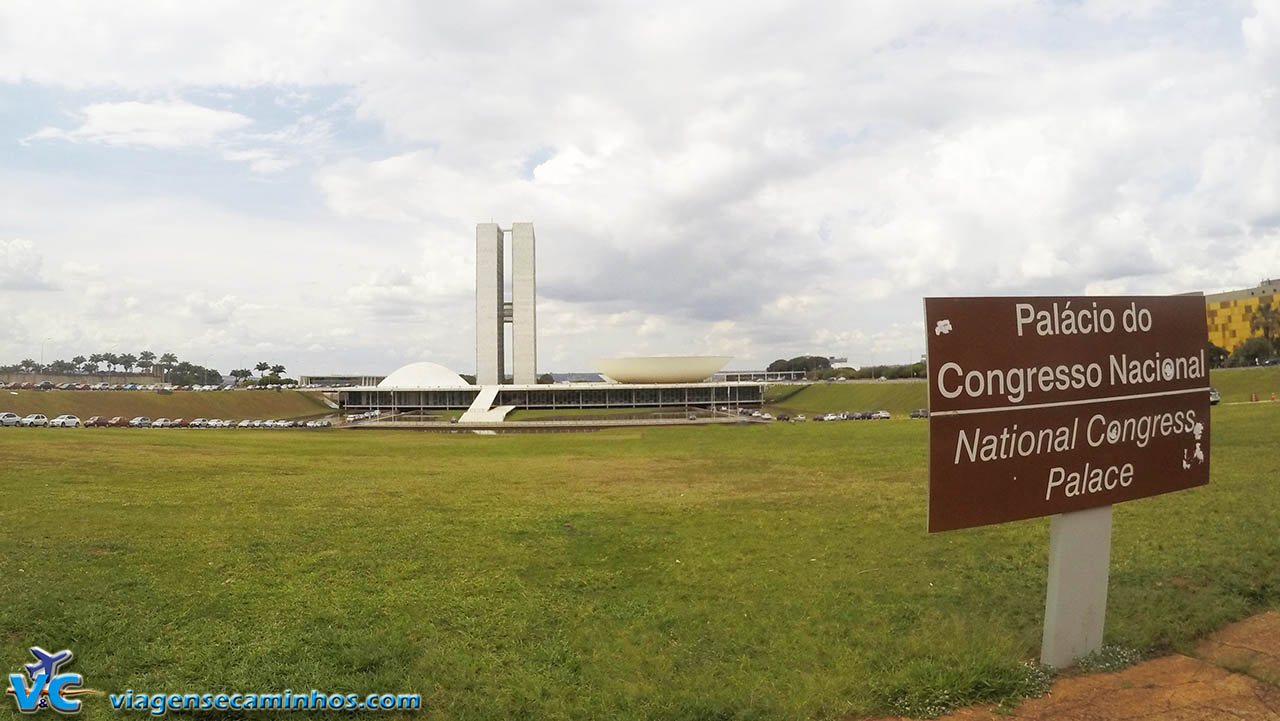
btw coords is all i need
(900, 398)
(182, 404)
(764, 572)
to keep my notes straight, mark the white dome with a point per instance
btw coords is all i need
(422, 375)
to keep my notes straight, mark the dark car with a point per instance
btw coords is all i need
(118, 422)
(920, 413)
(784, 417)
(96, 422)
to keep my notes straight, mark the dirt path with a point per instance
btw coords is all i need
(1235, 674)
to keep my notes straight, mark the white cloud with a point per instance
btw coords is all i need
(161, 124)
(21, 266)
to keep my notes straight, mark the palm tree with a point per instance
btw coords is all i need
(78, 361)
(112, 360)
(128, 361)
(277, 370)
(167, 362)
(241, 374)
(29, 365)
(262, 367)
(95, 359)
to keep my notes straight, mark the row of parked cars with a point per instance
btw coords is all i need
(845, 416)
(70, 421)
(50, 386)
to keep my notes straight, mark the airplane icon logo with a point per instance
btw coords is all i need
(47, 663)
(47, 687)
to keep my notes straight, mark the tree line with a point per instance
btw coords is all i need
(172, 370)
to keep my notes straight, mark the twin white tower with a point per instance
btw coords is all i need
(493, 311)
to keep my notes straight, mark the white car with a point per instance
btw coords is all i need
(35, 419)
(246, 423)
(161, 423)
(140, 422)
(881, 416)
(10, 419)
(65, 421)
(201, 423)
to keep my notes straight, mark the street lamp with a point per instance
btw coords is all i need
(42, 342)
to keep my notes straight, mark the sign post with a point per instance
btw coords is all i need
(1075, 605)
(1044, 406)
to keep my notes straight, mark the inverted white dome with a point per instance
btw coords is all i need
(663, 369)
(422, 375)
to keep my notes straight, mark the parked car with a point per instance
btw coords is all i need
(118, 422)
(784, 417)
(10, 419)
(1214, 397)
(180, 423)
(35, 419)
(246, 423)
(96, 422)
(161, 423)
(800, 417)
(65, 421)
(140, 422)
(920, 413)
(880, 416)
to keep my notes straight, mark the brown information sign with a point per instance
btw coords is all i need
(1044, 405)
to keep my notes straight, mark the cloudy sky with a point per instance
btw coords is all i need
(299, 181)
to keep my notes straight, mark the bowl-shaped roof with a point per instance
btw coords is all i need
(662, 369)
(422, 375)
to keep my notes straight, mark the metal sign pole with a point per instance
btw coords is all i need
(1075, 606)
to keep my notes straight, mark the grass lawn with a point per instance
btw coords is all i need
(899, 398)
(180, 404)
(764, 572)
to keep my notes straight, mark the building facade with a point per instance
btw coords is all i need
(1229, 315)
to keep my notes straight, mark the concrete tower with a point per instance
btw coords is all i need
(492, 312)
(524, 305)
(489, 301)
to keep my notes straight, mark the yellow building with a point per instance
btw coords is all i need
(1229, 313)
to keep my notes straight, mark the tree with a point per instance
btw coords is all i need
(29, 365)
(277, 370)
(262, 367)
(95, 359)
(90, 367)
(1249, 352)
(111, 359)
(78, 361)
(1266, 320)
(240, 374)
(546, 379)
(1214, 354)
(167, 362)
(146, 355)
(146, 360)
(128, 361)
